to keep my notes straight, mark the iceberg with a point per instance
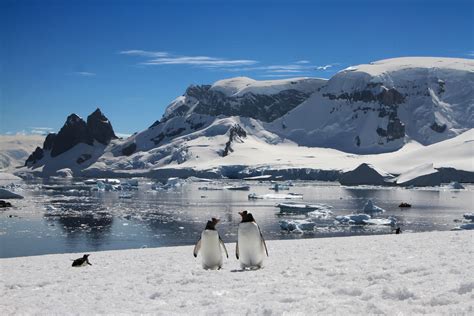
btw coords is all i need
(276, 196)
(370, 208)
(353, 219)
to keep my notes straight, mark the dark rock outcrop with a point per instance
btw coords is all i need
(73, 132)
(235, 132)
(100, 128)
(37, 155)
(129, 149)
(263, 107)
(438, 128)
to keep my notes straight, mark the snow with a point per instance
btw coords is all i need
(238, 86)
(431, 90)
(407, 273)
(7, 194)
(15, 149)
(424, 175)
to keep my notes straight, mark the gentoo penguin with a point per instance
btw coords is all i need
(81, 261)
(210, 245)
(250, 247)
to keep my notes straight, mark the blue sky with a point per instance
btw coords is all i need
(131, 58)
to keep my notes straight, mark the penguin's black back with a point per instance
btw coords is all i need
(79, 262)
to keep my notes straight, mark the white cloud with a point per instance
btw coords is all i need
(39, 130)
(84, 73)
(471, 53)
(144, 53)
(165, 58)
(302, 62)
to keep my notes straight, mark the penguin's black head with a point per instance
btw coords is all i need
(212, 223)
(246, 217)
(85, 256)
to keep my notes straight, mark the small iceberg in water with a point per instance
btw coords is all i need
(371, 208)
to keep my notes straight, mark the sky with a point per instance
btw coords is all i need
(132, 58)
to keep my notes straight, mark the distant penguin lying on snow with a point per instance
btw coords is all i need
(210, 245)
(81, 261)
(250, 247)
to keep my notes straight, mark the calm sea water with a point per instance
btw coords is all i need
(59, 217)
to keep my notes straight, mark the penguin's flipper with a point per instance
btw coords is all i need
(237, 250)
(223, 246)
(263, 241)
(196, 248)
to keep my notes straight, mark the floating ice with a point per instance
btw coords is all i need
(279, 187)
(295, 207)
(353, 219)
(370, 208)
(289, 196)
(297, 225)
(238, 187)
(391, 221)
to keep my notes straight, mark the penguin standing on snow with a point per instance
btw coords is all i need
(81, 261)
(210, 246)
(250, 248)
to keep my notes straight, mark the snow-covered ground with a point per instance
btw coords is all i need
(392, 274)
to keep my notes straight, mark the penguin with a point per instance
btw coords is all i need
(210, 246)
(81, 262)
(250, 248)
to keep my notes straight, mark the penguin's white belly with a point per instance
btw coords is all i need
(211, 250)
(251, 249)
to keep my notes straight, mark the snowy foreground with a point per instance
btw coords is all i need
(391, 274)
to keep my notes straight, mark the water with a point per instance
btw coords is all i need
(59, 217)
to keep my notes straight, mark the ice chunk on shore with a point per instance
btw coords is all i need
(7, 194)
(370, 208)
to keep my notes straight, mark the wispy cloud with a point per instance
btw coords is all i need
(143, 53)
(471, 53)
(301, 67)
(165, 58)
(84, 73)
(40, 130)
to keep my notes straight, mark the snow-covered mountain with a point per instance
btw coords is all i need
(377, 107)
(241, 124)
(14, 149)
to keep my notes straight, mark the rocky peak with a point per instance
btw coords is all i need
(100, 128)
(74, 131)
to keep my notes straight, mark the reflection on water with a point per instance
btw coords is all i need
(60, 217)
